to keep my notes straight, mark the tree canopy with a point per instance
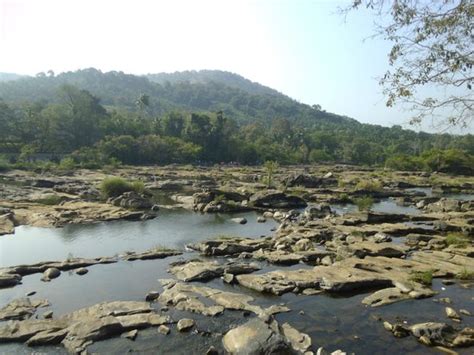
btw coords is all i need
(431, 58)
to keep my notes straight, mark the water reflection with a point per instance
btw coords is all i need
(172, 229)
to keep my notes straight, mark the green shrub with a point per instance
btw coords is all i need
(369, 185)
(50, 200)
(422, 277)
(67, 164)
(4, 164)
(465, 274)
(457, 240)
(138, 186)
(115, 186)
(364, 203)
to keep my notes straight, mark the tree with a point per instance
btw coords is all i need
(432, 51)
(142, 101)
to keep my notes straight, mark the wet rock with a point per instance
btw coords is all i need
(12, 275)
(434, 333)
(7, 224)
(48, 314)
(300, 342)
(78, 329)
(9, 279)
(261, 219)
(185, 324)
(21, 308)
(47, 337)
(83, 333)
(151, 254)
(212, 351)
(132, 200)
(464, 338)
(239, 220)
(163, 329)
(209, 301)
(82, 271)
(152, 296)
(228, 278)
(50, 273)
(265, 199)
(387, 326)
(132, 334)
(194, 270)
(451, 313)
(465, 312)
(268, 214)
(255, 337)
(229, 246)
(395, 294)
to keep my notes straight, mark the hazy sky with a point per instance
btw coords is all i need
(302, 48)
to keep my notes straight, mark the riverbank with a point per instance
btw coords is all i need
(231, 252)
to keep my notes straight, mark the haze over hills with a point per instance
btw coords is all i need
(206, 90)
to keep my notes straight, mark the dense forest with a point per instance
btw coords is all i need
(203, 117)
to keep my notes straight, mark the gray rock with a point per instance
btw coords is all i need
(48, 314)
(82, 271)
(300, 342)
(21, 308)
(152, 296)
(239, 220)
(262, 219)
(451, 313)
(50, 273)
(132, 334)
(255, 337)
(163, 329)
(185, 324)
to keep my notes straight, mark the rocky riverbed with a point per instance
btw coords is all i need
(239, 266)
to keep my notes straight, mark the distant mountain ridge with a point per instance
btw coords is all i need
(10, 76)
(207, 76)
(205, 90)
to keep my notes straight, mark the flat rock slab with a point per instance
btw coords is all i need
(209, 301)
(151, 254)
(230, 246)
(195, 270)
(21, 308)
(80, 328)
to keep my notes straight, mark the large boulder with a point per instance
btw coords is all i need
(255, 337)
(275, 199)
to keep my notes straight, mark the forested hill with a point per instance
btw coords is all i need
(218, 76)
(211, 91)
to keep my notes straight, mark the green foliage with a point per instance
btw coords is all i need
(369, 185)
(364, 203)
(422, 277)
(4, 164)
(50, 200)
(270, 167)
(67, 164)
(465, 274)
(115, 186)
(204, 123)
(457, 240)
